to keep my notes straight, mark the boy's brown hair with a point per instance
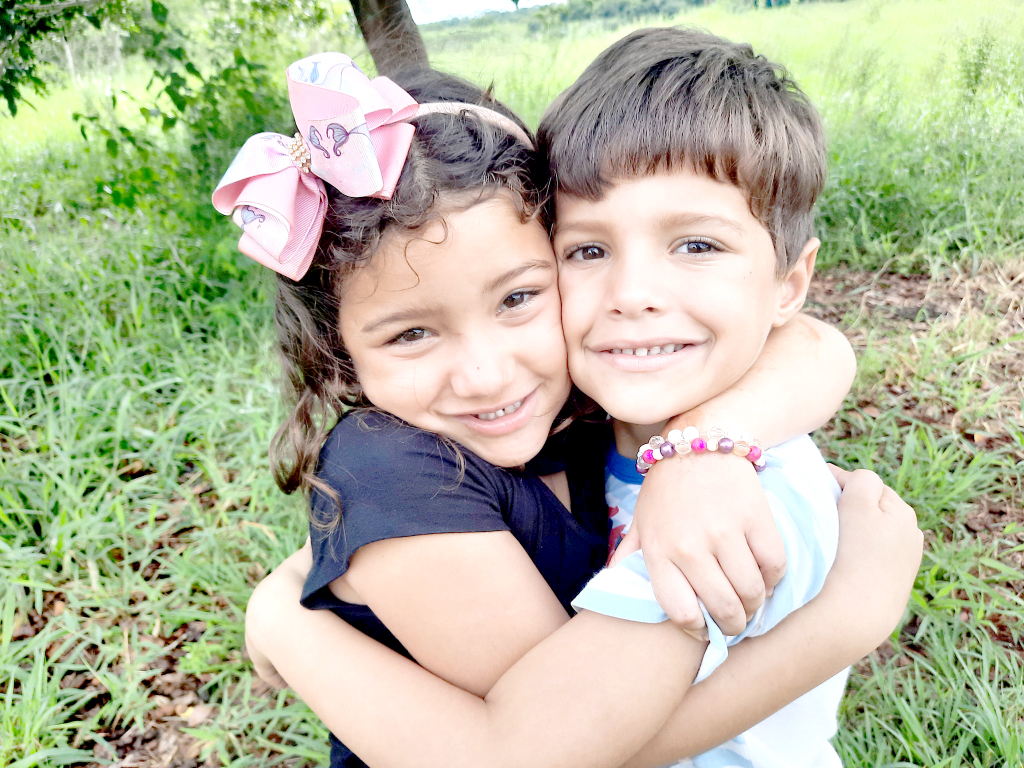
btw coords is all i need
(669, 98)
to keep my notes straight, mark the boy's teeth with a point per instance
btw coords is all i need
(665, 349)
(500, 412)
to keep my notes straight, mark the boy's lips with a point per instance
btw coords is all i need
(641, 356)
(513, 416)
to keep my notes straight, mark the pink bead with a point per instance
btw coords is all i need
(648, 456)
(754, 453)
(699, 445)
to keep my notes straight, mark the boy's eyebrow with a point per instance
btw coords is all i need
(515, 272)
(682, 218)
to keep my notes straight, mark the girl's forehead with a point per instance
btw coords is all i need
(458, 253)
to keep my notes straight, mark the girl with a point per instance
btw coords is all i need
(433, 300)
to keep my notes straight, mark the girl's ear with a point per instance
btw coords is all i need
(793, 288)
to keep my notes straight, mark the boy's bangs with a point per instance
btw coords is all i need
(671, 99)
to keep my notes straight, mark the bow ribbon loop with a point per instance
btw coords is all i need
(354, 127)
(279, 208)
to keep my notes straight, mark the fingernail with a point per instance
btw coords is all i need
(769, 592)
(704, 635)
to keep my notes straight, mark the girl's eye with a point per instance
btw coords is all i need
(586, 253)
(699, 246)
(410, 336)
(517, 299)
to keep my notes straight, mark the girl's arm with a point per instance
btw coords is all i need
(391, 712)
(361, 689)
(730, 558)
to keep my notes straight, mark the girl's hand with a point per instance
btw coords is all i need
(706, 531)
(875, 573)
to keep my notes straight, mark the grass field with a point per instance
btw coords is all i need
(137, 383)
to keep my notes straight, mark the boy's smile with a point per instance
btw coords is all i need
(669, 289)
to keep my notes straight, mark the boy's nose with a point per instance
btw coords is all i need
(479, 368)
(634, 288)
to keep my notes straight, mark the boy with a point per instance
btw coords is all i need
(686, 170)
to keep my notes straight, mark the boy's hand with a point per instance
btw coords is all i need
(281, 588)
(706, 531)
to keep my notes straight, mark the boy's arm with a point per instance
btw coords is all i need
(361, 689)
(703, 521)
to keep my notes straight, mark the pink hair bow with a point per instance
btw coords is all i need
(352, 135)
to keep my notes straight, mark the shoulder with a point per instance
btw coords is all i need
(374, 449)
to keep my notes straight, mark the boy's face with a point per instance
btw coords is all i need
(669, 290)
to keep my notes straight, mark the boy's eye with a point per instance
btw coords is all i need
(586, 253)
(517, 299)
(410, 336)
(698, 246)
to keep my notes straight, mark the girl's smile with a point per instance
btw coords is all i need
(457, 330)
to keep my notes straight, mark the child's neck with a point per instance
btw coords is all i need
(629, 437)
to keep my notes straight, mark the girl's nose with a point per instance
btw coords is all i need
(479, 368)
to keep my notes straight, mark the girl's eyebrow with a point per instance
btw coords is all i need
(401, 316)
(515, 272)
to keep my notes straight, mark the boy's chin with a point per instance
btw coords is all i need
(640, 413)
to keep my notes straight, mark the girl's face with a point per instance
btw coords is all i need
(460, 333)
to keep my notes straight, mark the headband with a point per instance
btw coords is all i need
(353, 134)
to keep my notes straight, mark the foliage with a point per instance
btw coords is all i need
(24, 25)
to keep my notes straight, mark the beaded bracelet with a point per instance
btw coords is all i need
(691, 441)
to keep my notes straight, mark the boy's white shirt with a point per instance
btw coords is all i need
(802, 495)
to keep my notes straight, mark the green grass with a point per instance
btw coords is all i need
(138, 396)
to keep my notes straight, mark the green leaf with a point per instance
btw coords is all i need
(159, 12)
(112, 147)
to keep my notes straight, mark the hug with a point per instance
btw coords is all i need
(509, 355)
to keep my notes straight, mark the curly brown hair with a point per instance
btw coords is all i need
(455, 161)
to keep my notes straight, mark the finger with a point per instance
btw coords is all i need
(841, 475)
(746, 579)
(712, 586)
(676, 597)
(769, 551)
(863, 487)
(629, 544)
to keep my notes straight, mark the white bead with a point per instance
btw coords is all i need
(690, 434)
(712, 444)
(657, 454)
(675, 437)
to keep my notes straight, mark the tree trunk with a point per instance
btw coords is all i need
(391, 34)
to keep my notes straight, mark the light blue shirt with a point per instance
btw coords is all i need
(802, 495)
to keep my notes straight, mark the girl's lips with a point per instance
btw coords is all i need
(502, 425)
(615, 358)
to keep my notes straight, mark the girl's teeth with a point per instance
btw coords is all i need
(500, 412)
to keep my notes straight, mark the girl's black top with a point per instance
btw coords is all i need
(394, 480)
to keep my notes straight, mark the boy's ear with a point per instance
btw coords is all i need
(793, 289)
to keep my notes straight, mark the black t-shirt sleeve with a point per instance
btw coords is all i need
(393, 480)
